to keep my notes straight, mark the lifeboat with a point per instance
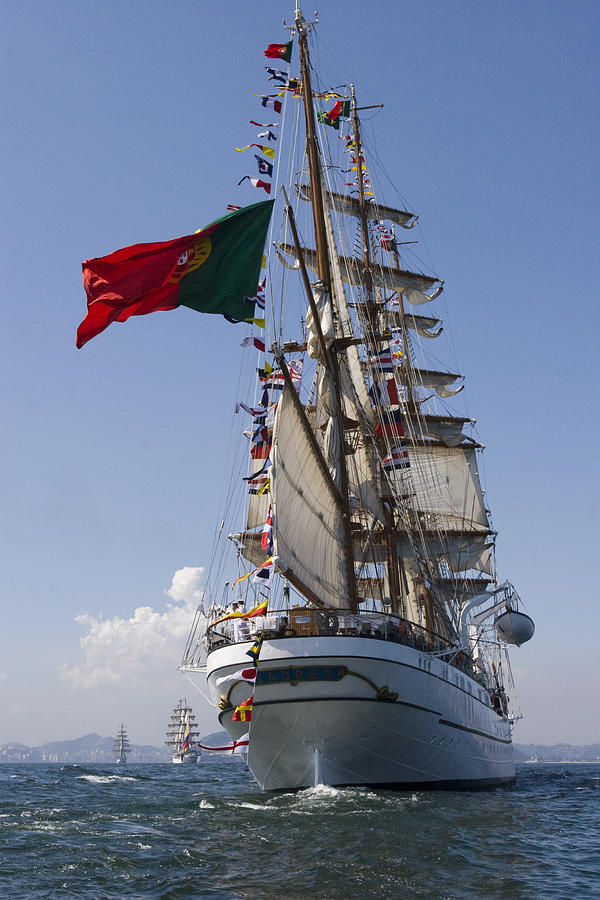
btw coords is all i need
(515, 627)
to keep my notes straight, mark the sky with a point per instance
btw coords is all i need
(119, 123)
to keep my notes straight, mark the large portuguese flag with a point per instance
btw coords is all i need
(215, 270)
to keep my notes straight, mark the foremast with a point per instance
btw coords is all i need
(330, 360)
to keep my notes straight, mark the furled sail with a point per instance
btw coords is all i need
(308, 527)
(350, 206)
(447, 429)
(437, 381)
(352, 272)
(425, 326)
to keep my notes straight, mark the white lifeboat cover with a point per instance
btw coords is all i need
(515, 627)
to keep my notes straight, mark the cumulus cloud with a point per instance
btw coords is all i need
(148, 643)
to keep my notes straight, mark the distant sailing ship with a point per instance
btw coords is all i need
(122, 746)
(181, 732)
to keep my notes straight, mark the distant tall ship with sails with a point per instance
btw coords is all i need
(181, 734)
(121, 746)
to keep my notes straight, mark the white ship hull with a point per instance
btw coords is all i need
(378, 713)
(186, 760)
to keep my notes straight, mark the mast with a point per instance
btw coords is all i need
(363, 211)
(324, 274)
(371, 317)
(314, 161)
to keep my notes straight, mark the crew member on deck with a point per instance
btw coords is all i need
(241, 632)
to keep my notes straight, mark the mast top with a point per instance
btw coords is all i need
(300, 24)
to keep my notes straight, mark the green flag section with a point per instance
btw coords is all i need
(215, 270)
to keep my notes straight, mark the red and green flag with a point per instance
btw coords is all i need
(280, 51)
(215, 270)
(339, 110)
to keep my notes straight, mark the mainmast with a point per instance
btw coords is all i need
(363, 211)
(372, 322)
(324, 273)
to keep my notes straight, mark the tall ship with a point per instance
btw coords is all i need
(365, 559)
(182, 734)
(121, 746)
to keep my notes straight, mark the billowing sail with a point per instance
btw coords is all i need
(458, 552)
(446, 488)
(308, 526)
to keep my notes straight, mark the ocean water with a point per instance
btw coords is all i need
(207, 831)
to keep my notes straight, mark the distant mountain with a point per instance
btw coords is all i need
(215, 739)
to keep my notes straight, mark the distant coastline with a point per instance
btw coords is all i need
(94, 749)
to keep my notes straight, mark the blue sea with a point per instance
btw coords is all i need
(207, 831)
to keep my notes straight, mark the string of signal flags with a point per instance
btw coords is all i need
(285, 83)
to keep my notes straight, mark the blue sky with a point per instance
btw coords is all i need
(119, 126)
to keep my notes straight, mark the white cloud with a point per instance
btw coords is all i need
(147, 644)
(186, 585)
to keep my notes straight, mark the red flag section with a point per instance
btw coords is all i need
(215, 270)
(132, 282)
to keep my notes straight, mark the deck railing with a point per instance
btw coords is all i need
(299, 622)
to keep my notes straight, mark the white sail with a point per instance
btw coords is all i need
(460, 552)
(352, 271)
(308, 528)
(258, 506)
(445, 484)
(342, 203)
(426, 378)
(323, 304)
(354, 388)
(447, 429)
(424, 326)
